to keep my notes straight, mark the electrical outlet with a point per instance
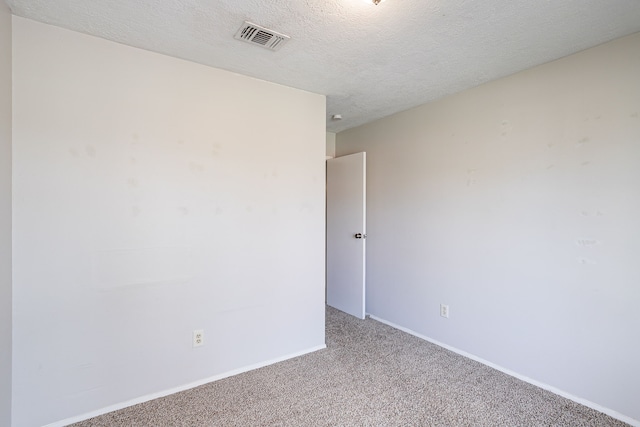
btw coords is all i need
(444, 310)
(198, 337)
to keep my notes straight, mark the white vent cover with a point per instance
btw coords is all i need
(255, 34)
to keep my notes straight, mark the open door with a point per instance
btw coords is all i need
(346, 233)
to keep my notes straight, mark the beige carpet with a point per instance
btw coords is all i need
(370, 375)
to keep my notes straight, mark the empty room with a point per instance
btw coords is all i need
(331, 213)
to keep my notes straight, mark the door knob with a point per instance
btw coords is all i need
(360, 236)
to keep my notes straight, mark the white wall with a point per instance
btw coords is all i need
(518, 203)
(5, 214)
(152, 197)
(331, 144)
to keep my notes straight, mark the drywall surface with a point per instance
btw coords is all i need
(5, 215)
(331, 144)
(371, 60)
(154, 197)
(516, 203)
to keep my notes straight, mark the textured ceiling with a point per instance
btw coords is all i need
(370, 61)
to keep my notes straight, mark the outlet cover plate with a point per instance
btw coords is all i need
(198, 337)
(444, 310)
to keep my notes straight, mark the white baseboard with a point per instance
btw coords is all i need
(184, 387)
(610, 412)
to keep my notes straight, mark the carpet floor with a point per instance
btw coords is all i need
(370, 375)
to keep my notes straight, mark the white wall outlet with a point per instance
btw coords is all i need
(198, 338)
(444, 310)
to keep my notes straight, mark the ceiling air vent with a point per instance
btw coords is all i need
(255, 34)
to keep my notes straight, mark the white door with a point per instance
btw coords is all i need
(346, 221)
